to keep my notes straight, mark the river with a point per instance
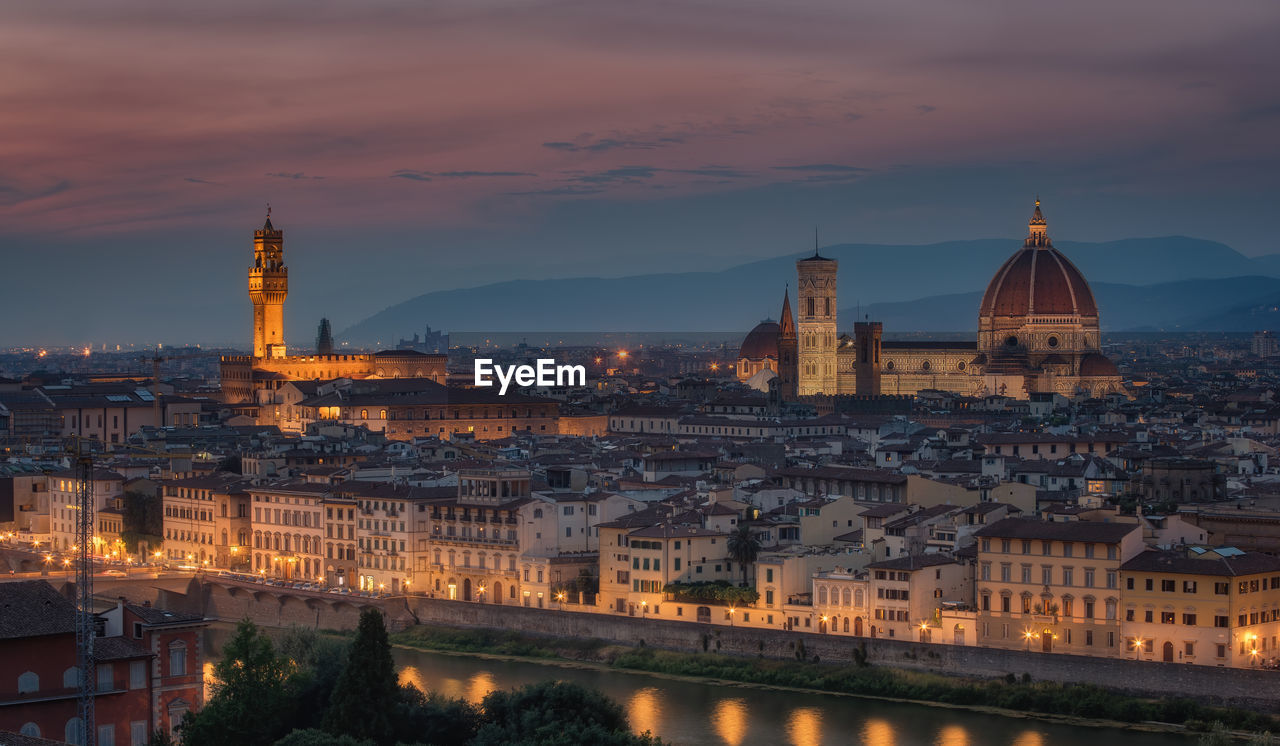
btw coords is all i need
(687, 713)
(683, 712)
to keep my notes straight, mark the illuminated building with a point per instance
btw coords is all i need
(252, 379)
(1038, 333)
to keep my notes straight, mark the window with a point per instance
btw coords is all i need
(137, 674)
(1168, 586)
(106, 677)
(177, 659)
(107, 735)
(29, 682)
(1166, 617)
(1221, 621)
(73, 732)
(1221, 589)
(138, 733)
(30, 729)
(1189, 620)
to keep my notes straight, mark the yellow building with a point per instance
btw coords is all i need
(1053, 587)
(206, 521)
(288, 530)
(1207, 607)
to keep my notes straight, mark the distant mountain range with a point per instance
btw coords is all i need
(1170, 283)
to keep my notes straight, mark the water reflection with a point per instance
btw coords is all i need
(412, 676)
(730, 720)
(878, 732)
(804, 727)
(644, 710)
(1029, 738)
(479, 686)
(953, 735)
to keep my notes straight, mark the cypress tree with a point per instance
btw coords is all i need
(367, 691)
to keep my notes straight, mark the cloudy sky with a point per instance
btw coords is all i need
(408, 147)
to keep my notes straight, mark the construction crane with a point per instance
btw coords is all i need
(156, 359)
(86, 620)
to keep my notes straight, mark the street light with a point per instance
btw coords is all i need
(731, 610)
(1027, 635)
(560, 598)
(1137, 648)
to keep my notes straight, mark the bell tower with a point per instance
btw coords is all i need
(268, 287)
(816, 323)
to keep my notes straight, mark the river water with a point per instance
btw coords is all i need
(682, 712)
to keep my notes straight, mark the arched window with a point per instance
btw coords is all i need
(74, 732)
(822, 595)
(857, 598)
(847, 596)
(71, 678)
(364, 414)
(30, 729)
(30, 682)
(537, 513)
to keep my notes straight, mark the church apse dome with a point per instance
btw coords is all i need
(759, 350)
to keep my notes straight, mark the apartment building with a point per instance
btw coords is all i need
(473, 542)
(1216, 607)
(1053, 587)
(64, 487)
(288, 529)
(906, 594)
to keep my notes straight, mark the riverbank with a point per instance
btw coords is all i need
(1083, 705)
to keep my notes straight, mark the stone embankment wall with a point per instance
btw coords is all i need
(1240, 687)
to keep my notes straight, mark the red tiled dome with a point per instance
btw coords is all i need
(1038, 280)
(761, 342)
(1094, 364)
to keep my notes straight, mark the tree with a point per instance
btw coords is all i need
(315, 737)
(317, 662)
(367, 691)
(434, 719)
(555, 714)
(744, 547)
(252, 702)
(142, 519)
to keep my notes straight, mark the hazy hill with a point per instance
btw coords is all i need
(1189, 305)
(885, 275)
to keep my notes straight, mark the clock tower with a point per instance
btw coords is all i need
(816, 324)
(268, 287)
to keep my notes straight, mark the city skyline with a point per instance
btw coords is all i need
(409, 150)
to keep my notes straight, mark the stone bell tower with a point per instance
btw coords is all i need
(816, 324)
(268, 287)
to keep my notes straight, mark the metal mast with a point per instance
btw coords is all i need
(86, 627)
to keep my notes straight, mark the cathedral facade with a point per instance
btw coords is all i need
(245, 378)
(1038, 332)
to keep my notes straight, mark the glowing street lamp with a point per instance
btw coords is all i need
(1137, 648)
(1027, 635)
(560, 597)
(731, 611)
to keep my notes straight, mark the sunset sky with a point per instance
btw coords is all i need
(408, 147)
